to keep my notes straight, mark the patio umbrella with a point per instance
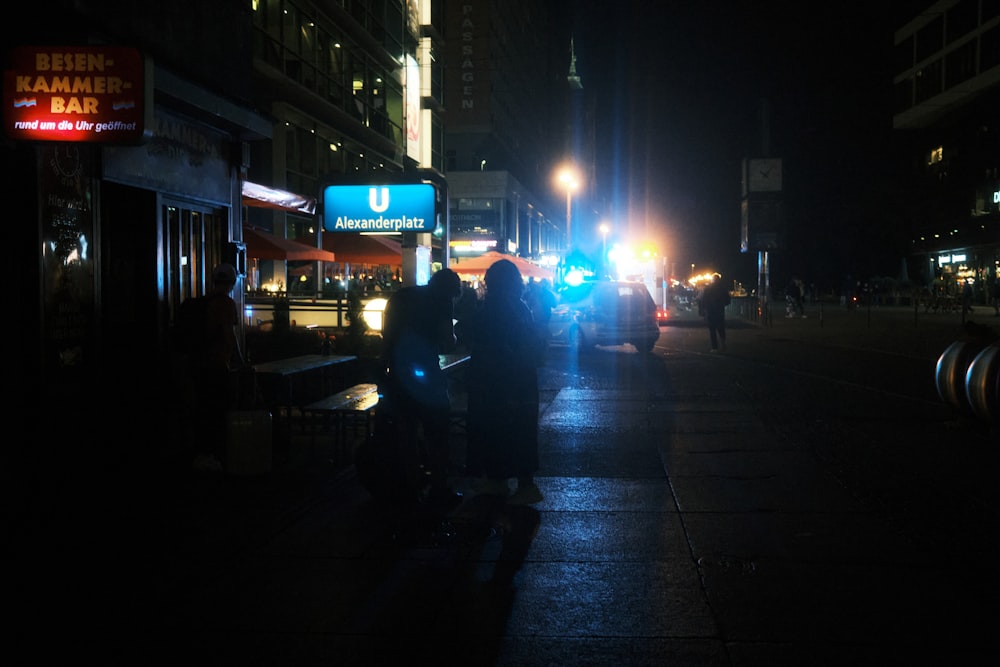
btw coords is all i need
(476, 266)
(262, 245)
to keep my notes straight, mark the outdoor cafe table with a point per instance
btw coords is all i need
(293, 382)
(451, 363)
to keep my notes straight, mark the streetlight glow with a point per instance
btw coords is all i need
(604, 242)
(568, 178)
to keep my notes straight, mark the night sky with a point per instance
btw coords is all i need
(680, 92)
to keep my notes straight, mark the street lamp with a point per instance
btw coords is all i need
(567, 177)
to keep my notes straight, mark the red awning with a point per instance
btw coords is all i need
(261, 196)
(263, 245)
(370, 249)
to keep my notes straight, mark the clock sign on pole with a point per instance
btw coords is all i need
(764, 175)
(762, 219)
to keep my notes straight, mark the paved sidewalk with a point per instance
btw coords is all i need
(661, 539)
(699, 510)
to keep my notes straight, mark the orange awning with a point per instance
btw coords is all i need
(370, 249)
(263, 245)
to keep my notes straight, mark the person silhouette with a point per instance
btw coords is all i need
(465, 310)
(417, 326)
(503, 389)
(217, 352)
(714, 299)
(541, 300)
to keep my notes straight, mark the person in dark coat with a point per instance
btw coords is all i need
(503, 389)
(465, 310)
(218, 353)
(541, 301)
(714, 299)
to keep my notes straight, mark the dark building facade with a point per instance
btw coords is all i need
(947, 118)
(504, 87)
(111, 232)
(333, 78)
(110, 235)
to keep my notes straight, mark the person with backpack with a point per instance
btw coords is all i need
(418, 325)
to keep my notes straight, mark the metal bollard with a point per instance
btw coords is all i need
(982, 384)
(952, 367)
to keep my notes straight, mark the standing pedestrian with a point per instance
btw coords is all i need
(967, 298)
(800, 298)
(791, 291)
(418, 326)
(503, 389)
(214, 350)
(465, 310)
(714, 299)
(541, 300)
(795, 298)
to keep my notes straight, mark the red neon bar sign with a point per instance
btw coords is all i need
(76, 93)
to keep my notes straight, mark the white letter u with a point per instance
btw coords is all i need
(373, 199)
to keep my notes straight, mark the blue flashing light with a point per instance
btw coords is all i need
(574, 278)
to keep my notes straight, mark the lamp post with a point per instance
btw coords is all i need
(568, 179)
(604, 243)
(569, 217)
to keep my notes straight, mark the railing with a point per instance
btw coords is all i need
(305, 312)
(744, 308)
(329, 313)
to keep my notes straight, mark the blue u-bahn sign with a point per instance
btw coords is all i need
(379, 208)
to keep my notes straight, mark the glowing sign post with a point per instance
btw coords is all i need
(379, 208)
(412, 108)
(94, 94)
